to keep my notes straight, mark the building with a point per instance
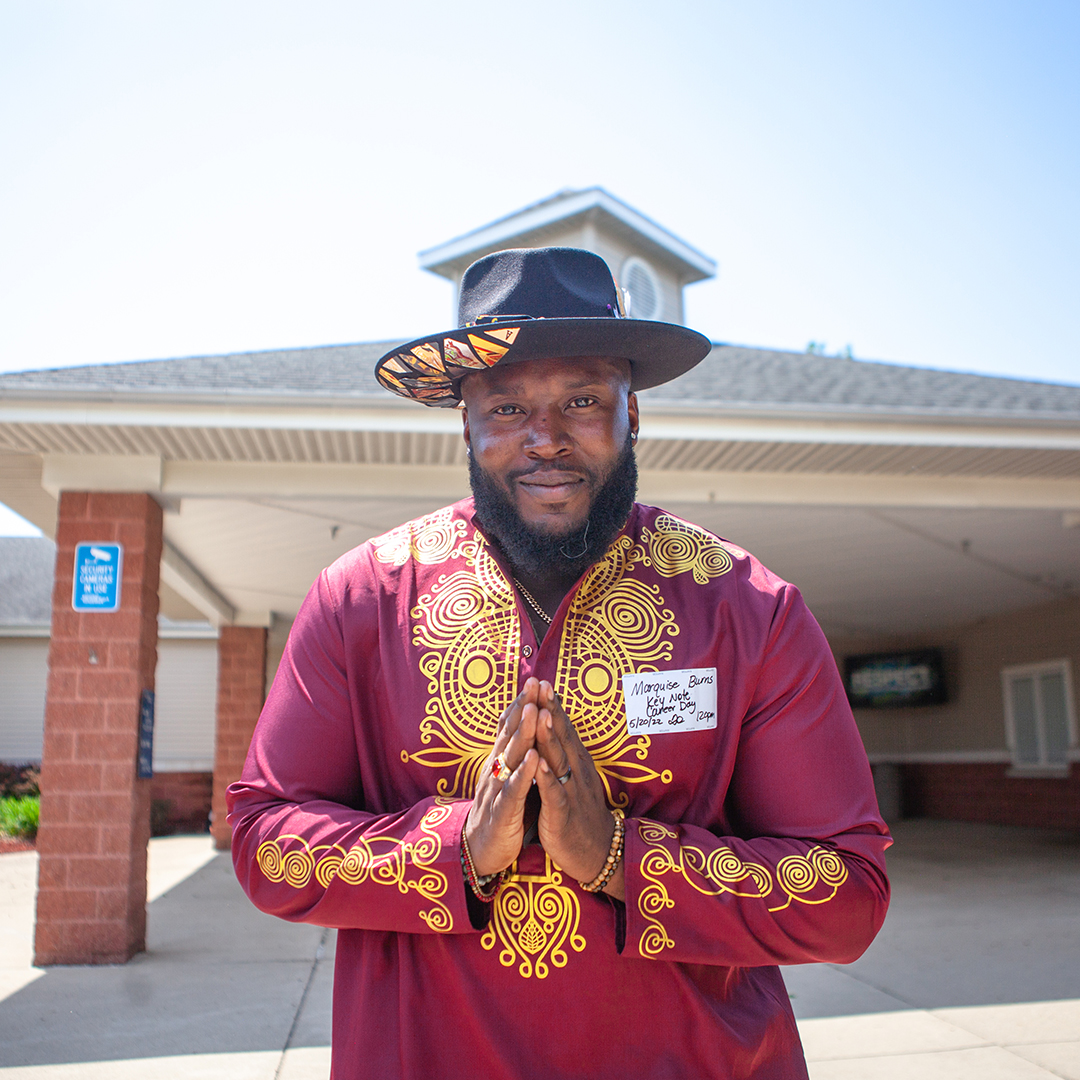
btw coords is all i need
(916, 509)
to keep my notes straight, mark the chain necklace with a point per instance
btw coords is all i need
(531, 601)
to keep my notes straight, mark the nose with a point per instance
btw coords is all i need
(548, 436)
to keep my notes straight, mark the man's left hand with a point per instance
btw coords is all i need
(575, 825)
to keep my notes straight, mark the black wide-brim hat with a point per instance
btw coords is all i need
(538, 304)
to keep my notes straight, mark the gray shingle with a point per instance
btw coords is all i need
(322, 371)
(731, 376)
(737, 376)
(27, 564)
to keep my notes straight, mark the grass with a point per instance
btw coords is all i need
(19, 816)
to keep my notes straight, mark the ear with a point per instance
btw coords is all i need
(465, 434)
(632, 413)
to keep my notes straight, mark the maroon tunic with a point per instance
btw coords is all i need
(752, 839)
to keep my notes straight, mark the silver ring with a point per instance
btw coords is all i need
(565, 776)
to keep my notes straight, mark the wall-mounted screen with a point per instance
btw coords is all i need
(892, 680)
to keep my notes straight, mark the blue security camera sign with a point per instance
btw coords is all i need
(98, 570)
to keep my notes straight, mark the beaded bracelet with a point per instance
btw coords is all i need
(484, 887)
(615, 855)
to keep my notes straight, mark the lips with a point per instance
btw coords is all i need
(551, 485)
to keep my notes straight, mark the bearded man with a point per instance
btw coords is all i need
(570, 775)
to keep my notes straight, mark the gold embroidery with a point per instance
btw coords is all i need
(428, 540)
(469, 626)
(615, 625)
(677, 546)
(387, 867)
(532, 918)
(796, 875)
(469, 630)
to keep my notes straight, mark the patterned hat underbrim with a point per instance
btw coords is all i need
(430, 369)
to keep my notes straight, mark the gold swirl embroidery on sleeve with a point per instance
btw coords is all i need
(533, 917)
(429, 539)
(677, 547)
(722, 871)
(368, 860)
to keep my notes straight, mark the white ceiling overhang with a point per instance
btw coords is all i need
(262, 492)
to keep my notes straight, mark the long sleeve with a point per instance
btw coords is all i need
(305, 847)
(801, 878)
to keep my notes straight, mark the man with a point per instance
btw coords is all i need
(571, 775)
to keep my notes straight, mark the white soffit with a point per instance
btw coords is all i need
(200, 431)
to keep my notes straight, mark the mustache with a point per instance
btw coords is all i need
(550, 467)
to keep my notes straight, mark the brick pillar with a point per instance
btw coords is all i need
(95, 813)
(241, 685)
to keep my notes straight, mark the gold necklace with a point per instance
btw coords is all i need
(531, 601)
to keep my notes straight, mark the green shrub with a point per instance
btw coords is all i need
(19, 816)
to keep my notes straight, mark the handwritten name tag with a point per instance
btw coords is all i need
(660, 701)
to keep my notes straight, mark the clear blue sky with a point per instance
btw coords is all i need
(216, 176)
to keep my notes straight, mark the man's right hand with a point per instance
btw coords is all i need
(495, 828)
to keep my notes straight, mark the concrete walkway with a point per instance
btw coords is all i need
(976, 975)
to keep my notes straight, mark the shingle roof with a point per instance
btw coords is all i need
(736, 375)
(26, 579)
(731, 376)
(325, 371)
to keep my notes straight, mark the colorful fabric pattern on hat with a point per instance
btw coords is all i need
(488, 351)
(507, 334)
(427, 372)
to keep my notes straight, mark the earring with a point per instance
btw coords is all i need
(633, 437)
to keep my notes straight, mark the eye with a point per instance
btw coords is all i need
(582, 402)
(505, 410)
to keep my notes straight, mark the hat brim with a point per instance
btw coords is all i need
(430, 369)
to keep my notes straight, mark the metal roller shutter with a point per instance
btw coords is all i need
(185, 706)
(24, 671)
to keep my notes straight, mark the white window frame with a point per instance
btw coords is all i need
(1045, 667)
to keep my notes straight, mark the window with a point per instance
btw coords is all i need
(1039, 716)
(641, 289)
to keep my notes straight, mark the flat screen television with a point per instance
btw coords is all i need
(895, 680)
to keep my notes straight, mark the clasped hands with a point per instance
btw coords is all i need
(575, 826)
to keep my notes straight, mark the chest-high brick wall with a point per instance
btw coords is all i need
(984, 792)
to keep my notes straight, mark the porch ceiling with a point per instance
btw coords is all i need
(864, 571)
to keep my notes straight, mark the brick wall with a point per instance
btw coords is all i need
(241, 682)
(983, 792)
(95, 814)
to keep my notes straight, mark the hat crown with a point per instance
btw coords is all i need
(542, 283)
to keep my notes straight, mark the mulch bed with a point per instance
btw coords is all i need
(9, 844)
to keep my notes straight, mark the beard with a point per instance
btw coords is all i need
(539, 553)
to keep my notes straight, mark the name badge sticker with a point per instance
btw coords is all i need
(663, 701)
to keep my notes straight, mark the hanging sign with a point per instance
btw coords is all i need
(145, 770)
(97, 577)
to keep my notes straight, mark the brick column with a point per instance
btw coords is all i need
(95, 813)
(241, 685)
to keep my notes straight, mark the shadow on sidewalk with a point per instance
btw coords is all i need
(981, 915)
(218, 976)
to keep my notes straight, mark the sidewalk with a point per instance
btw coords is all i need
(976, 975)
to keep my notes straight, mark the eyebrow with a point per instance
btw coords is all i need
(516, 388)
